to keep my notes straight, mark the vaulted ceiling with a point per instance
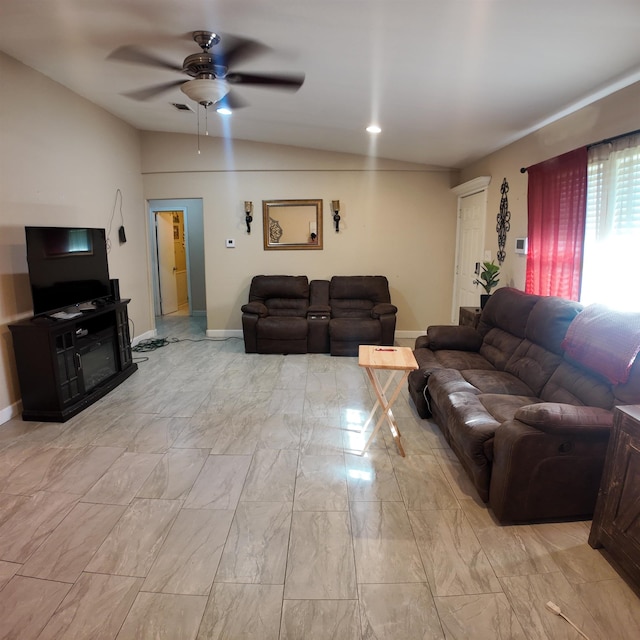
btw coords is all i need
(448, 81)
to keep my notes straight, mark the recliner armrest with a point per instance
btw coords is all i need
(256, 308)
(383, 309)
(566, 419)
(457, 338)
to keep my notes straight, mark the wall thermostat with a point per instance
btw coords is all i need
(521, 245)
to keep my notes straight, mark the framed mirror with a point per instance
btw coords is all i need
(292, 224)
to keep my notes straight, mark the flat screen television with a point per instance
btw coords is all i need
(67, 266)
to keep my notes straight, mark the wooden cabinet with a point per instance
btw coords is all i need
(66, 365)
(469, 316)
(616, 521)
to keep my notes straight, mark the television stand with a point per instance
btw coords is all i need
(66, 364)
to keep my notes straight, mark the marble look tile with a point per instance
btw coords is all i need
(162, 616)
(271, 477)
(189, 558)
(614, 606)
(157, 434)
(321, 484)
(124, 478)
(320, 619)
(236, 436)
(455, 474)
(320, 437)
(28, 521)
(321, 563)
(84, 470)
(94, 608)
(321, 402)
(280, 431)
(122, 431)
(371, 478)
(133, 544)
(452, 556)
(66, 552)
(354, 441)
(35, 472)
(199, 433)
(568, 546)
(174, 476)
(514, 550)
(422, 483)
(384, 546)
(242, 612)
(528, 596)
(393, 611)
(479, 617)
(256, 548)
(26, 604)
(283, 401)
(220, 483)
(7, 571)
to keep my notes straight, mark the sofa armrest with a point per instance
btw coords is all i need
(383, 309)
(255, 308)
(458, 338)
(566, 419)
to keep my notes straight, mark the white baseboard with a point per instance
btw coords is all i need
(11, 411)
(224, 333)
(147, 335)
(409, 334)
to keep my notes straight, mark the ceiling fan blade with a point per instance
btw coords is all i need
(138, 56)
(151, 92)
(232, 101)
(289, 81)
(235, 50)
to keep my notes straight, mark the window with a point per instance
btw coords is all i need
(611, 262)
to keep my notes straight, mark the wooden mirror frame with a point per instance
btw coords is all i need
(296, 218)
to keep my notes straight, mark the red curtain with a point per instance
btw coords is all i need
(557, 208)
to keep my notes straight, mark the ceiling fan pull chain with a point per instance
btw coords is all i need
(198, 127)
(206, 121)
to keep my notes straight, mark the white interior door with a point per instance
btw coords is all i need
(166, 263)
(472, 210)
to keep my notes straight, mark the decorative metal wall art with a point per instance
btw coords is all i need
(504, 221)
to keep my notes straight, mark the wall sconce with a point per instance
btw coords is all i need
(335, 207)
(248, 209)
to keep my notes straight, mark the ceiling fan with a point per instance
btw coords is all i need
(211, 73)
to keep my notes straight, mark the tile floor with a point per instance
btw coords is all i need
(220, 495)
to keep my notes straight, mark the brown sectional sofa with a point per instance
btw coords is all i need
(289, 314)
(529, 424)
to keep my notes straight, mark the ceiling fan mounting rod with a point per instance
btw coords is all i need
(206, 39)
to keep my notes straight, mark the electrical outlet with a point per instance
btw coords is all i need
(231, 243)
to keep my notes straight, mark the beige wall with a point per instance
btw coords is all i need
(61, 161)
(398, 220)
(617, 114)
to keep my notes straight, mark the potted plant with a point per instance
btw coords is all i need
(488, 280)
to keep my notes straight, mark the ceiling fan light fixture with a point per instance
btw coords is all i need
(205, 91)
(224, 111)
(374, 128)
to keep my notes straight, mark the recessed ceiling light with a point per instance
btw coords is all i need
(224, 111)
(374, 128)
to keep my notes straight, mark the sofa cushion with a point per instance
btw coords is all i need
(443, 382)
(279, 328)
(503, 407)
(570, 385)
(363, 331)
(533, 364)
(496, 382)
(462, 360)
(498, 346)
(507, 309)
(457, 338)
(549, 320)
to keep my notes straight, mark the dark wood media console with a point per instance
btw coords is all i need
(65, 366)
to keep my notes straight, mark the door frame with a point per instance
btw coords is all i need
(154, 254)
(469, 188)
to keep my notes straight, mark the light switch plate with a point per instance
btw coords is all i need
(231, 243)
